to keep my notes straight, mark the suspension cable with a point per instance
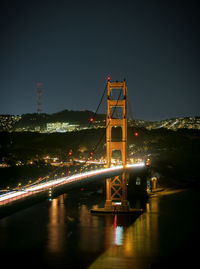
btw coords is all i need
(129, 106)
(97, 145)
(56, 169)
(94, 148)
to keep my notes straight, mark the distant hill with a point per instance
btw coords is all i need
(80, 117)
(9, 122)
(31, 121)
(38, 122)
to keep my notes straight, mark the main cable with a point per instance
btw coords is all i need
(59, 168)
(94, 148)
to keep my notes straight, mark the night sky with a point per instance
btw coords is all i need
(71, 47)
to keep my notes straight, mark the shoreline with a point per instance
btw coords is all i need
(166, 191)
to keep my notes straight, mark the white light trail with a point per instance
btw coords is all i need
(61, 181)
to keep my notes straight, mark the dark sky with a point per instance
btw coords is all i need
(71, 46)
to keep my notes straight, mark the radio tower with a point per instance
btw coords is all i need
(39, 89)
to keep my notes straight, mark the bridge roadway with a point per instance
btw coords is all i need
(41, 187)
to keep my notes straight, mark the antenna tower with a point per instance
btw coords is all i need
(39, 89)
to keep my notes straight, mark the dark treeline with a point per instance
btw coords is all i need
(27, 145)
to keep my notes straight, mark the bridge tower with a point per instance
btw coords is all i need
(116, 189)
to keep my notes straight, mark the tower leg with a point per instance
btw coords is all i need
(124, 205)
(108, 204)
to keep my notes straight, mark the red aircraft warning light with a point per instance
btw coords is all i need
(108, 78)
(91, 119)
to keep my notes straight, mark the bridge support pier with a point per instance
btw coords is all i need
(116, 193)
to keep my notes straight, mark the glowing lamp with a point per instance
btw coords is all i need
(108, 78)
(91, 119)
(136, 134)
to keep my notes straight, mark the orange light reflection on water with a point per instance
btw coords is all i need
(56, 228)
(138, 241)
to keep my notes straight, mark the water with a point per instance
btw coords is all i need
(63, 234)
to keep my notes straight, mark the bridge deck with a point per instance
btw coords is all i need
(13, 196)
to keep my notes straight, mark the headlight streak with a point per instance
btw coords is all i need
(61, 181)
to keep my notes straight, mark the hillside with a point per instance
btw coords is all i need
(73, 117)
(38, 122)
(80, 119)
(174, 155)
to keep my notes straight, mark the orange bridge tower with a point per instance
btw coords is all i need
(116, 189)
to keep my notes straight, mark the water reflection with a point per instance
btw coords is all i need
(131, 245)
(114, 239)
(118, 233)
(56, 226)
(90, 235)
(63, 234)
(141, 237)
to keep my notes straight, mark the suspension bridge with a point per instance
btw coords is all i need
(116, 183)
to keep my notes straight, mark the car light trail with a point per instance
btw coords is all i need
(14, 195)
